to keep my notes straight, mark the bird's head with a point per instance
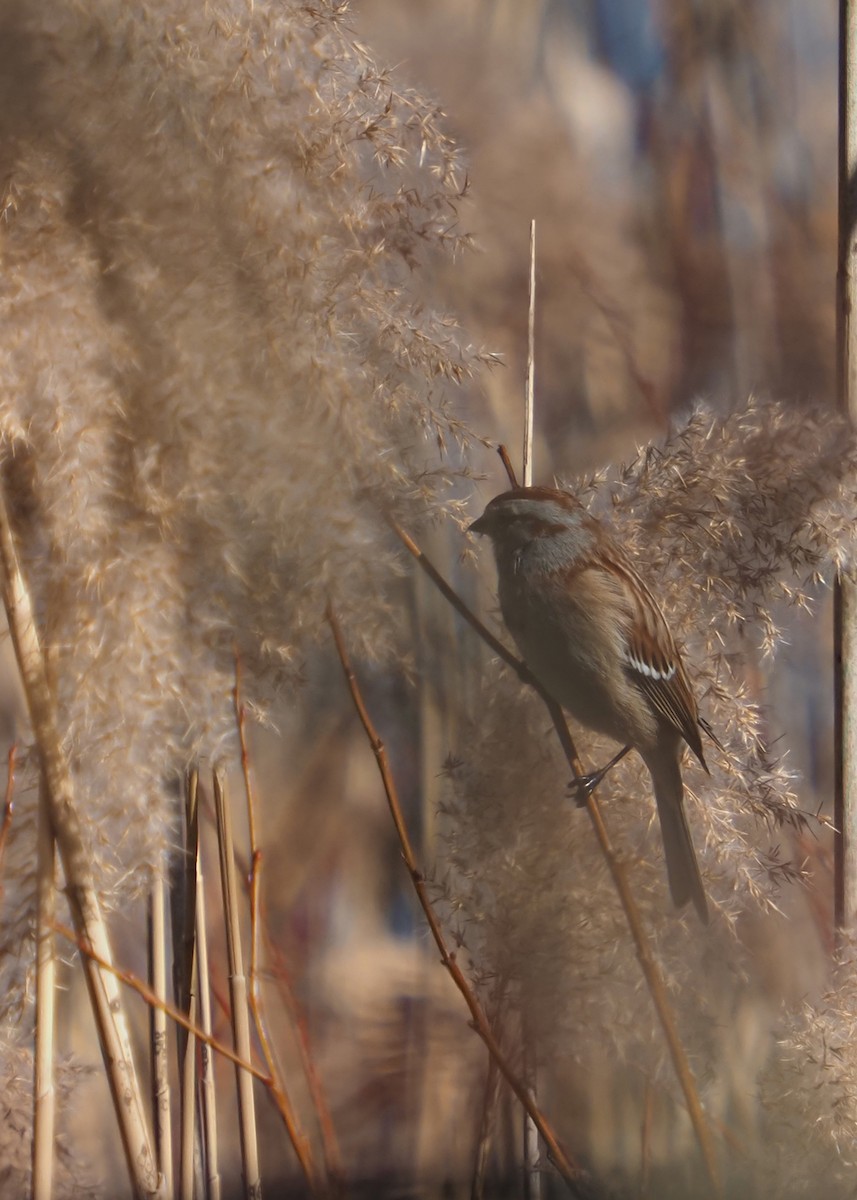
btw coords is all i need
(526, 515)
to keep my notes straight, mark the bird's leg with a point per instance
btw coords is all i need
(586, 784)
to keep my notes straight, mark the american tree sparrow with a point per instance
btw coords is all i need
(595, 638)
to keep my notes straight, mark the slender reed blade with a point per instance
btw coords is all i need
(237, 990)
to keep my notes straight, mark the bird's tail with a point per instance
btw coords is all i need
(682, 867)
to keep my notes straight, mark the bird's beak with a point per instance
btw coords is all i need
(479, 526)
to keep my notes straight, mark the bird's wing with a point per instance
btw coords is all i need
(652, 658)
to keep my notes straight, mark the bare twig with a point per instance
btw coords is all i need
(142, 989)
(237, 991)
(564, 1164)
(651, 971)
(458, 604)
(507, 463)
(104, 993)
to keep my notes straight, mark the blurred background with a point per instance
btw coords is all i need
(679, 159)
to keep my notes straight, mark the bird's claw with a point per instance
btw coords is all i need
(582, 787)
(585, 785)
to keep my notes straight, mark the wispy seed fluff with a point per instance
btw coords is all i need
(731, 521)
(808, 1093)
(217, 364)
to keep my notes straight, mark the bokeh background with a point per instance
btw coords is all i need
(679, 161)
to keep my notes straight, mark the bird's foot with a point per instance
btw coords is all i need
(585, 785)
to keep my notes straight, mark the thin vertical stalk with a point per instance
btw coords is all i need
(104, 992)
(161, 1097)
(530, 1148)
(237, 991)
(845, 599)
(529, 405)
(44, 1091)
(209, 1101)
(187, 984)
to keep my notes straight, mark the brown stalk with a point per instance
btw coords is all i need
(507, 463)
(159, 1049)
(209, 1099)
(299, 1139)
(645, 955)
(80, 886)
(185, 956)
(237, 992)
(151, 998)
(567, 1168)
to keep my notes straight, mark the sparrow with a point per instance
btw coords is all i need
(593, 635)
